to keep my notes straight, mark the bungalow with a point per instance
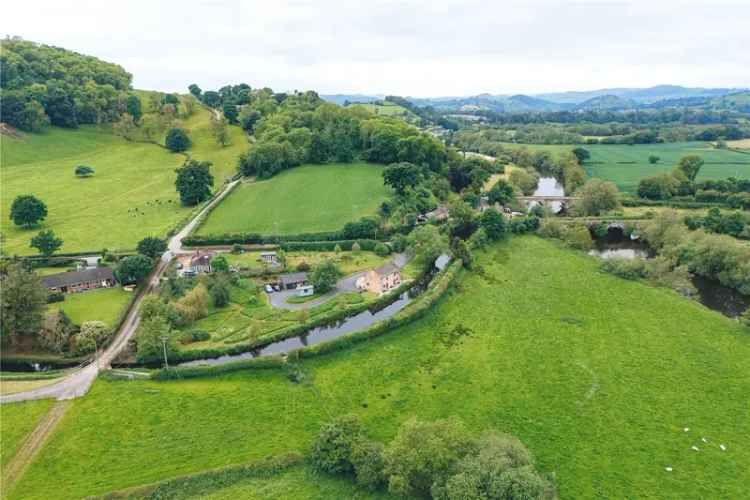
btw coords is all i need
(291, 281)
(79, 281)
(380, 279)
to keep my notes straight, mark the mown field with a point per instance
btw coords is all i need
(104, 304)
(626, 165)
(387, 108)
(96, 212)
(597, 375)
(303, 199)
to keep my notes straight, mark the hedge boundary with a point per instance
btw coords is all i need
(441, 283)
(205, 481)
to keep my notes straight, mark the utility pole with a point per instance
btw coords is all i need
(164, 344)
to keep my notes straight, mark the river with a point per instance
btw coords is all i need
(549, 186)
(711, 293)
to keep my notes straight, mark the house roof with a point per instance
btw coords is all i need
(387, 268)
(291, 278)
(442, 261)
(73, 277)
(201, 259)
(267, 253)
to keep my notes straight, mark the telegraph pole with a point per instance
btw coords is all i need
(164, 345)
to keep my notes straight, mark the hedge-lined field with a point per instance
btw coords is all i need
(304, 199)
(627, 165)
(597, 375)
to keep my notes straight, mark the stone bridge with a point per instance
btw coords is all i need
(563, 199)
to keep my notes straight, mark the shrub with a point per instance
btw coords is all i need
(382, 250)
(368, 463)
(55, 297)
(303, 266)
(630, 269)
(332, 448)
(356, 247)
(84, 171)
(177, 140)
(237, 248)
(93, 335)
(219, 293)
(423, 453)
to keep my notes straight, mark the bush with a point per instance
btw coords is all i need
(356, 247)
(630, 269)
(368, 463)
(177, 140)
(55, 297)
(93, 335)
(332, 448)
(382, 250)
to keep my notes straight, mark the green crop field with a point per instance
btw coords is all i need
(104, 304)
(303, 199)
(597, 375)
(17, 420)
(95, 212)
(627, 165)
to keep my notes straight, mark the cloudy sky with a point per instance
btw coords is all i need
(417, 48)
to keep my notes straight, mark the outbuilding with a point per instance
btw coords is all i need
(290, 281)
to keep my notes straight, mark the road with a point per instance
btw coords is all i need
(78, 383)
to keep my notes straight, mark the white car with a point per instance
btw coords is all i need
(269, 289)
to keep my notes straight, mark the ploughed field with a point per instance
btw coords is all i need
(598, 376)
(304, 199)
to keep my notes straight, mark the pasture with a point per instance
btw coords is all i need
(385, 108)
(17, 420)
(304, 199)
(131, 194)
(598, 376)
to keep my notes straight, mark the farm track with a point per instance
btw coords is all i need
(31, 446)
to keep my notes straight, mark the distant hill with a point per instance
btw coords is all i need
(340, 99)
(607, 102)
(641, 95)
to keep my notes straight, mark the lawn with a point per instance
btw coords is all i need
(387, 108)
(104, 304)
(96, 212)
(627, 165)
(597, 375)
(303, 199)
(17, 420)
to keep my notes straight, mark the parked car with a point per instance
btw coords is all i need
(269, 289)
(276, 287)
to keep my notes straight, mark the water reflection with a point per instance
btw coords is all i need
(548, 186)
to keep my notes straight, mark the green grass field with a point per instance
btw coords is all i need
(224, 158)
(99, 212)
(387, 108)
(17, 420)
(348, 262)
(96, 212)
(627, 165)
(597, 375)
(104, 304)
(303, 199)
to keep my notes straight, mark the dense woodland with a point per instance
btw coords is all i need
(44, 85)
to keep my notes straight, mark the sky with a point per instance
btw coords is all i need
(410, 48)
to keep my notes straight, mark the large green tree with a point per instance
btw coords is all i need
(133, 269)
(22, 302)
(177, 140)
(27, 210)
(46, 242)
(151, 246)
(493, 223)
(598, 196)
(194, 182)
(324, 275)
(690, 165)
(425, 244)
(401, 176)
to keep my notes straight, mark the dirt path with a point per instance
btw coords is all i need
(31, 446)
